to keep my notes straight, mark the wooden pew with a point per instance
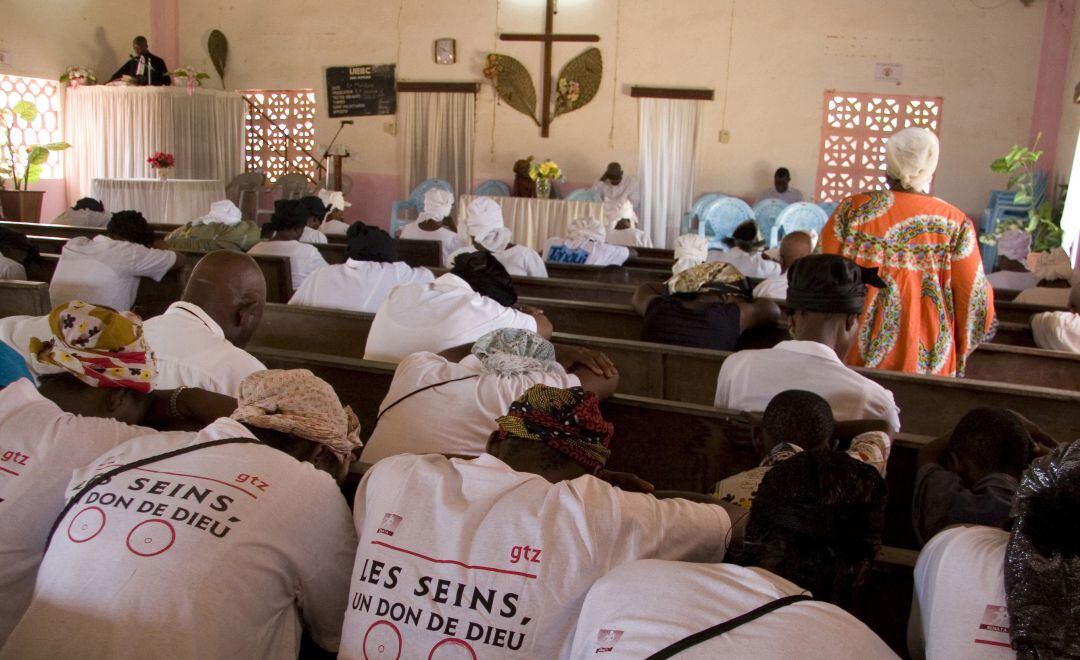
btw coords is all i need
(71, 231)
(689, 375)
(18, 297)
(657, 253)
(1014, 312)
(417, 254)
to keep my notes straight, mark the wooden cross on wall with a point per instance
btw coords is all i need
(548, 39)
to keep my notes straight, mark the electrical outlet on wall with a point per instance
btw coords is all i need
(389, 128)
(725, 136)
(5, 58)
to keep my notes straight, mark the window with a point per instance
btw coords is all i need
(854, 131)
(271, 115)
(45, 94)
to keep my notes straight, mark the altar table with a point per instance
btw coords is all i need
(170, 202)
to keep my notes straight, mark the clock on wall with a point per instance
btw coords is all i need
(445, 51)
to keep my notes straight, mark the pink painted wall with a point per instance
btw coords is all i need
(55, 200)
(1050, 88)
(165, 31)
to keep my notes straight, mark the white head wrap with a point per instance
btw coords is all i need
(911, 157)
(437, 205)
(618, 208)
(1054, 265)
(223, 212)
(690, 250)
(1015, 244)
(586, 229)
(333, 200)
(485, 224)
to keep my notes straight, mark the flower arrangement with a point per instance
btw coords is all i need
(77, 75)
(544, 174)
(189, 76)
(22, 168)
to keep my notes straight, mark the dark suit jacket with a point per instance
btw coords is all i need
(156, 75)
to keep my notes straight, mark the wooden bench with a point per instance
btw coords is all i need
(418, 254)
(18, 297)
(71, 231)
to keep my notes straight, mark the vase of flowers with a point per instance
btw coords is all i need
(76, 76)
(188, 76)
(544, 174)
(162, 162)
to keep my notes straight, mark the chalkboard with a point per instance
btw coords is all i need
(355, 91)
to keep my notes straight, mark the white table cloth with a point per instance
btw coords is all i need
(533, 221)
(171, 202)
(112, 131)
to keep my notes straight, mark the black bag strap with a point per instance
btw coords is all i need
(727, 626)
(422, 389)
(97, 480)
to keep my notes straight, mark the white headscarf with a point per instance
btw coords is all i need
(485, 224)
(618, 208)
(1016, 245)
(586, 229)
(1054, 265)
(690, 250)
(911, 157)
(437, 205)
(333, 200)
(223, 212)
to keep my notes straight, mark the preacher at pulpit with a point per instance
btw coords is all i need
(144, 67)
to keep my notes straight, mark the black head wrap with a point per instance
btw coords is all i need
(830, 284)
(368, 243)
(315, 206)
(289, 214)
(13, 242)
(486, 276)
(746, 236)
(88, 203)
(131, 226)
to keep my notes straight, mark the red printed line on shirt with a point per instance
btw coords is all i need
(9, 471)
(454, 561)
(197, 476)
(991, 643)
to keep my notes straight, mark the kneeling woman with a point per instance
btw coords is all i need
(707, 306)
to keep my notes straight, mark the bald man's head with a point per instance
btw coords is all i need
(230, 288)
(795, 246)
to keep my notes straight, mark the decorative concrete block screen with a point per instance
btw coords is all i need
(45, 94)
(278, 113)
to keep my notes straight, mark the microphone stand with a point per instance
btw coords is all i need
(326, 154)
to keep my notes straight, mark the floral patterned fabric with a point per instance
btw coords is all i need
(938, 306)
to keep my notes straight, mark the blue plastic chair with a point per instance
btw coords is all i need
(697, 209)
(1002, 207)
(765, 213)
(800, 216)
(828, 207)
(493, 188)
(583, 195)
(415, 203)
(721, 217)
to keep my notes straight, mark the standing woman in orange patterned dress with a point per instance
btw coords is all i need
(938, 306)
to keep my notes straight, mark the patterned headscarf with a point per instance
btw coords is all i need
(98, 345)
(565, 420)
(296, 401)
(713, 275)
(510, 351)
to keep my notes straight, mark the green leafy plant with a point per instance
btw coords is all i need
(1043, 221)
(22, 166)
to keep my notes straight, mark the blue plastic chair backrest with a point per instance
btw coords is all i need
(801, 216)
(722, 216)
(417, 196)
(828, 207)
(493, 188)
(708, 198)
(765, 213)
(583, 195)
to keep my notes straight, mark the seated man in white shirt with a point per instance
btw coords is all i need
(825, 296)
(87, 212)
(1059, 331)
(981, 592)
(485, 227)
(621, 221)
(1056, 276)
(500, 550)
(793, 246)
(745, 253)
(1013, 274)
(361, 284)
(286, 226)
(781, 188)
(435, 224)
(642, 607)
(797, 421)
(105, 270)
(335, 203)
(316, 214)
(199, 341)
(613, 185)
(221, 543)
(585, 245)
(76, 415)
(19, 259)
(475, 385)
(474, 298)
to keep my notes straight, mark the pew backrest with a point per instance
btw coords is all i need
(19, 297)
(418, 254)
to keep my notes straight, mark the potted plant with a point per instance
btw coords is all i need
(1043, 221)
(22, 166)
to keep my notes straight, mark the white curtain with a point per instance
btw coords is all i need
(667, 138)
(435, 131)
(112, 131)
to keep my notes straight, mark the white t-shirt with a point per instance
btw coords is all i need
(629, 238)
(791, 195)
(434, 317)
(106, 272)
(334, 228)
(774, 288)
(17, 331)
(750, 265)
(628, 189)
(750, 379)
(216, 553)
(313, 236)
(304, 259)
(40, 445)
(11, 269)
(455, 418)
(590, 253)
(498, 560)
(1010, 280)
(451, 242)
(960, 596)
(1057, 331)
(191, 350)
(1044, 295)
(359, 286)
(519, 261)
(644, 606)
(83, 218)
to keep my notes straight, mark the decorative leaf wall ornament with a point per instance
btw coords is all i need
(579, 81)
(218, 46)
(512, 83)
